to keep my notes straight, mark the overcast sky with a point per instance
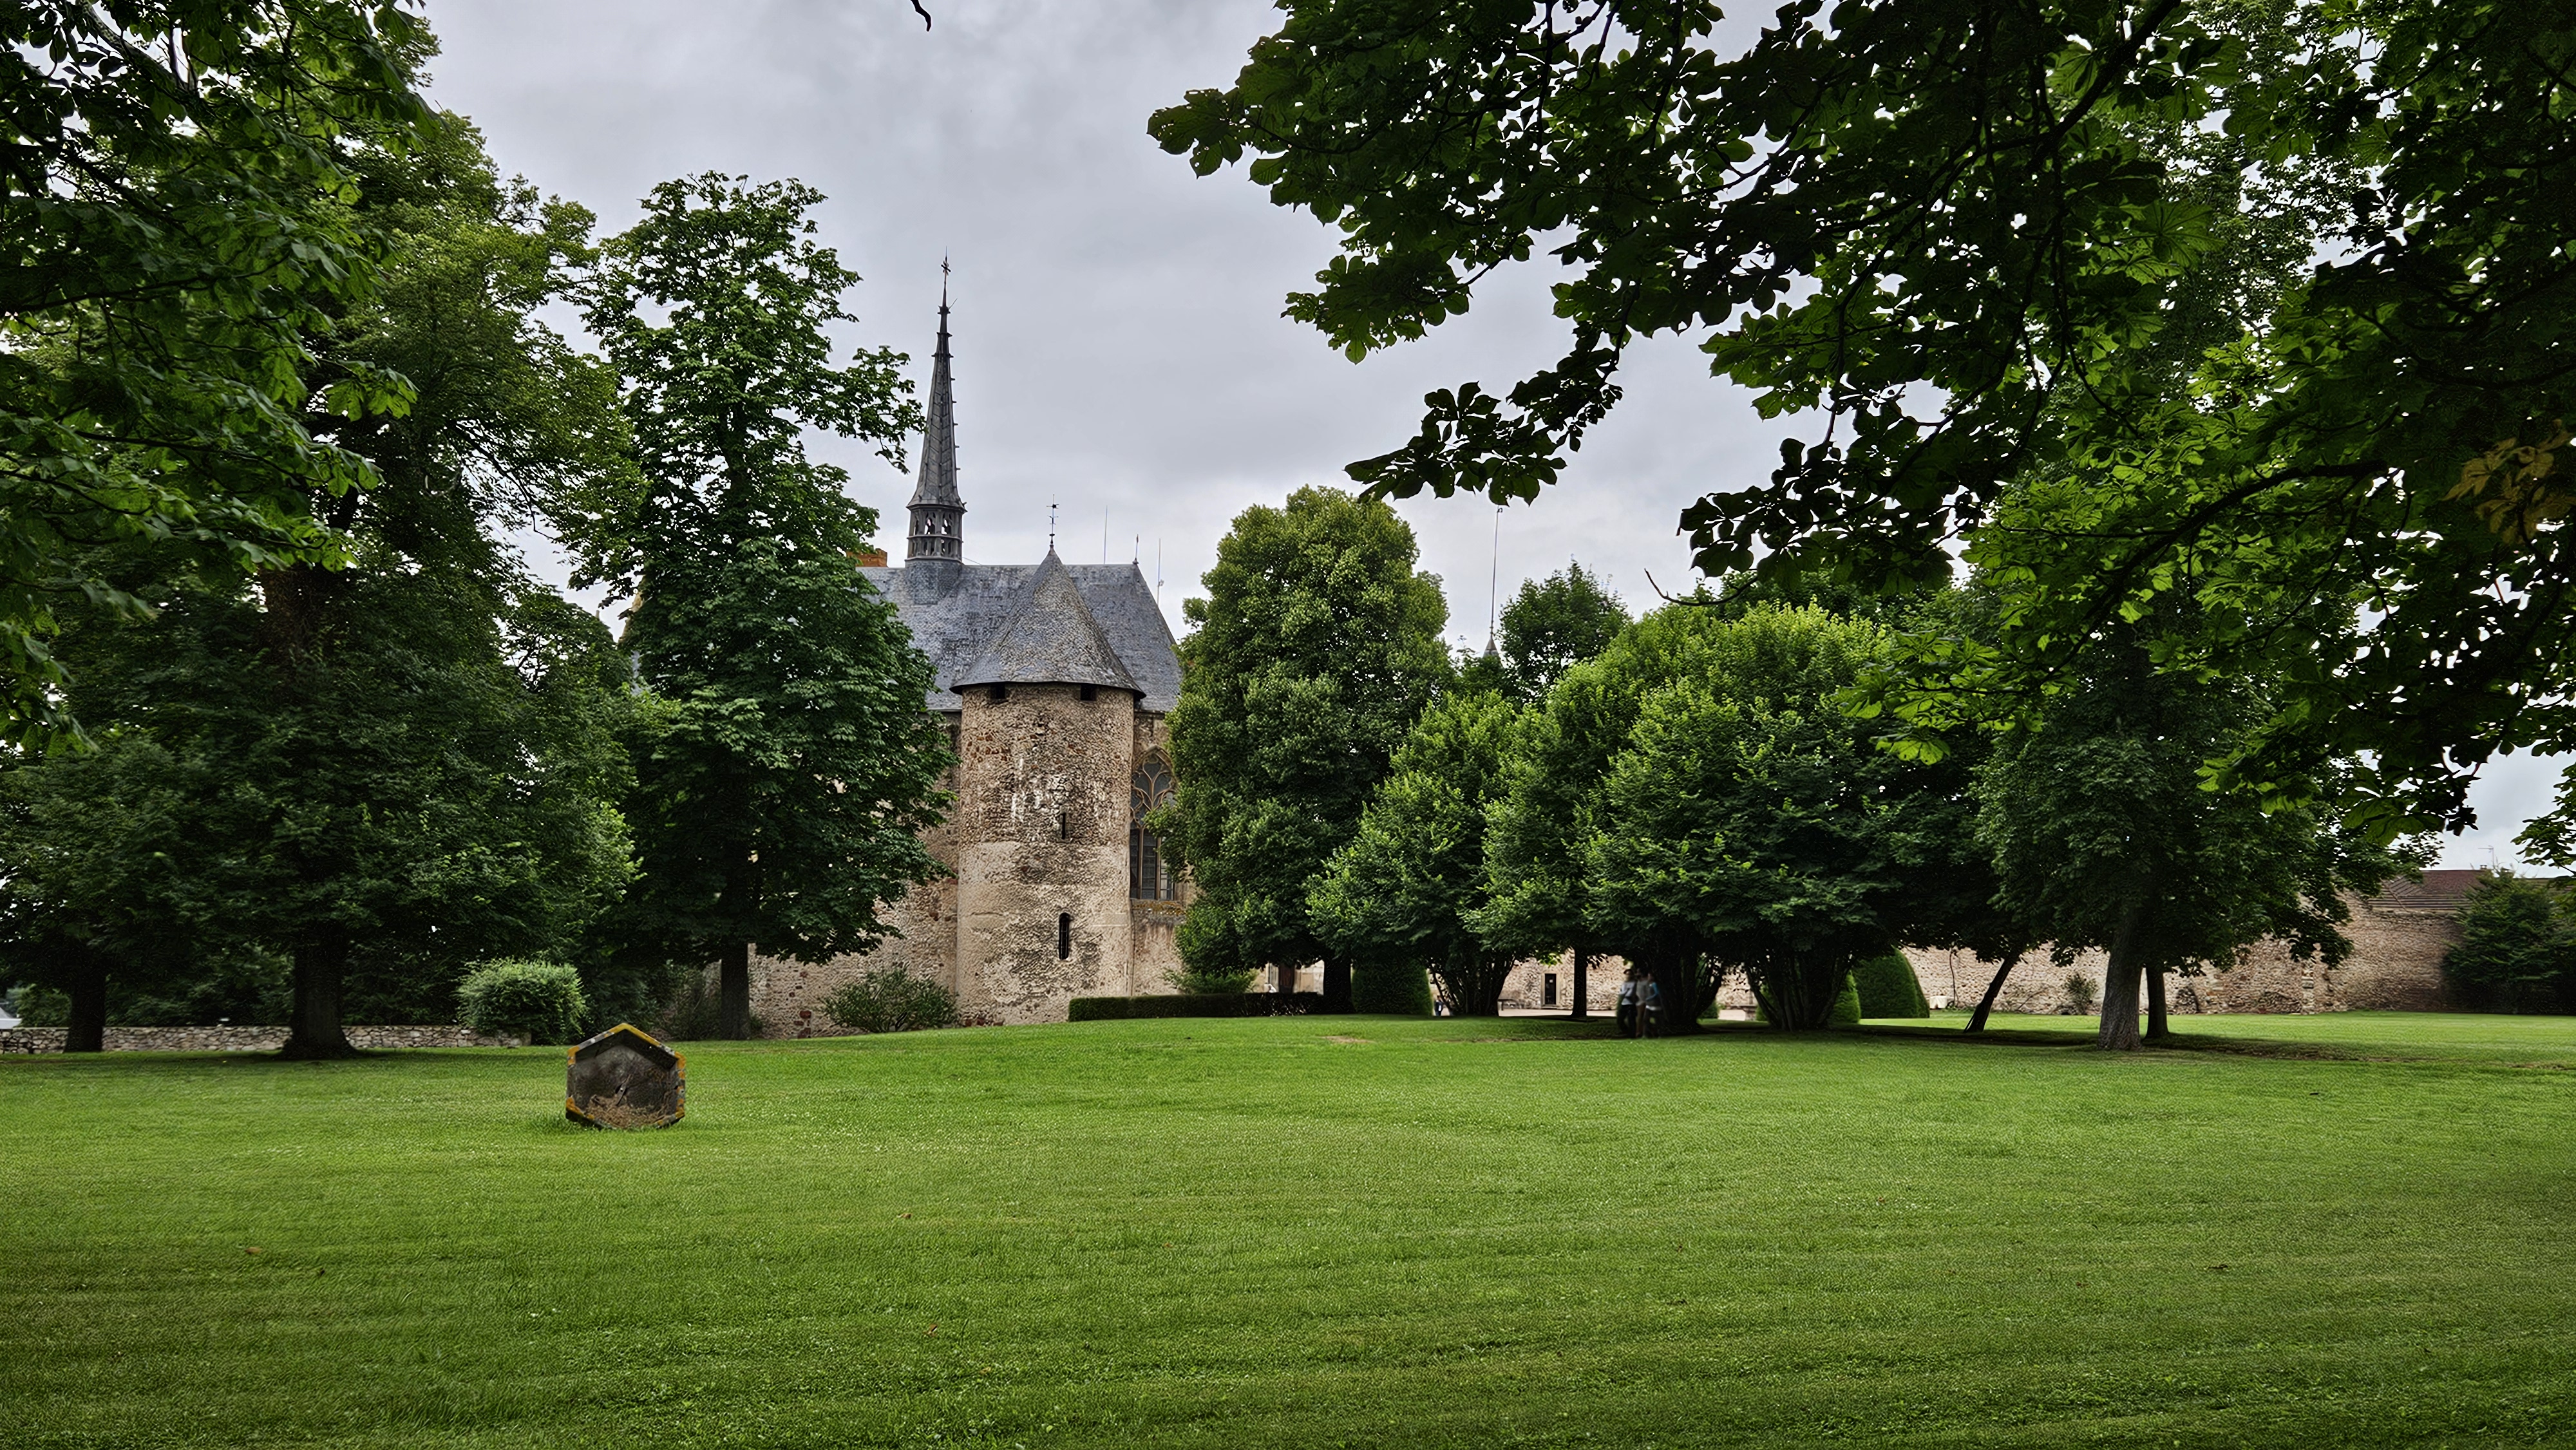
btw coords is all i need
(1119, 348)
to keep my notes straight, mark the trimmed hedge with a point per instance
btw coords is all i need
(1194, 1004)
(1391, 991)
(1888, 988)
(1846, 1011)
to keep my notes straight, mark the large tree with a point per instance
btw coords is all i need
(2517, 946)
(401, 759)
(1956, 233)
(1750, 823)
(173, 236)
(1399, 896)
(781, 799)
(1316, 647)
(1554, 624)
(2103, 835)
(1538, 843)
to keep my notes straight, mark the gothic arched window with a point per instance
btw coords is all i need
(1149, 876)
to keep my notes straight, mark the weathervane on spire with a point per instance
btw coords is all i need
(1050, 523)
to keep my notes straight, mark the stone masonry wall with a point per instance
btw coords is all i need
(245, 1039)
(1042, 816)
(1153, 953)
(2396, 965)
(788, 996)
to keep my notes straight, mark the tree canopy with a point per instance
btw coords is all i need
(380, 766)
(2103, 836)
(1959, 236)
(1317, 646)
(1400, 895)
(1554, 624)
(792, 765)
(174, 234)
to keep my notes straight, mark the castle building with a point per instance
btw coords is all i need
(1054, 679)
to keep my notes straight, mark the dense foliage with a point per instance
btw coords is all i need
(1887, 987)
(1554, 624)
(1400, 894)
(1972, 238)
(540, 1001)
(2517, 948)
(2103, 836)
(1316, 647)
(382, 769)
(174, 235)
(791, 766)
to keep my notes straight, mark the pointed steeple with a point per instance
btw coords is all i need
(937, 550)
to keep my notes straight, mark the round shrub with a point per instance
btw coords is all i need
(1888, 988)
(1402, 991)
(891, 999)
(540, 1001)
(1846, 1012)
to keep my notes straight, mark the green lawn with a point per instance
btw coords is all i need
(1270, 1233)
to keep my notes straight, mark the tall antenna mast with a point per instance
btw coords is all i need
(1494, 582)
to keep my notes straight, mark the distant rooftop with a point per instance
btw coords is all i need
(2441, 890)
(959, 628)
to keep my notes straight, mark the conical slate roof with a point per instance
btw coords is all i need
(1051, 640)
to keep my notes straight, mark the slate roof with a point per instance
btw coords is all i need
(1051, 640)
(958, 629)
(2440, 890)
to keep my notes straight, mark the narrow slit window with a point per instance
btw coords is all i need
(1063, 935)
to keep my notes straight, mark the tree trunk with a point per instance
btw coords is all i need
(2156, 1025)
(88, 1027)
(733, 994)
(1800, 993)
(1678, 981)
(1337, 985)
(1582, 987)
(2119, 1031)
(313, 1029)
(1994, 989)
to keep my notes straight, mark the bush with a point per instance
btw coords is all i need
(1392, 991)
(1846, 1012)
(540, 1001)
(1197, 1004)
(696, 1013)
(891, 999)
(1888, 988)
(2517, 951)
(2081, 994)
(41, 1006)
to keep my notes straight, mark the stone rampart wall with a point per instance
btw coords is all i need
(2396, 965)
(245, 1039)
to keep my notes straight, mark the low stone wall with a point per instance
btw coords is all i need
(245, 1039)
(2396, 965)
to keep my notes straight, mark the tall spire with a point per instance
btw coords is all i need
(936, 551)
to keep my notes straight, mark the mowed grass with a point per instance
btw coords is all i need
(1313, 1232)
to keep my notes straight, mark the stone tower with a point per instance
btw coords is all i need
(935, 553)
(1045, 742)
(1054, 680)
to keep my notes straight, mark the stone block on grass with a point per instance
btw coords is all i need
(623, 1078)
